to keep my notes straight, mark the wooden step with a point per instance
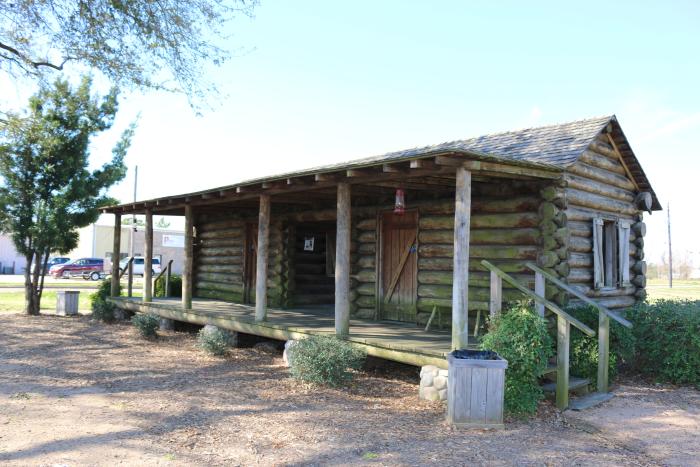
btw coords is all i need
(590, 400)
(551, 368)
(574, 384)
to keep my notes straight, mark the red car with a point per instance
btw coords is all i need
(87, 268)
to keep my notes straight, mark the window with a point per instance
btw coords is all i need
(610, 253)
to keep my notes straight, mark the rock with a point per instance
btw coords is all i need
(286, 356)
(440, 382)
(442, 394)
(167, 324)
(430, 394)
(428, 369)
(231, 336)
(427, 380)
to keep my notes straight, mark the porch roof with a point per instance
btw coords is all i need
(542, 152)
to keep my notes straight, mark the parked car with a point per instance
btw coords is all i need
(139, 261)
(52, 262)
(87, 268)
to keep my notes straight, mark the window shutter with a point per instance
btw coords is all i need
(598, 256)
(623, 235)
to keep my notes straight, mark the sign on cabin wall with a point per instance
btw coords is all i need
(176, 241)
(309, 244)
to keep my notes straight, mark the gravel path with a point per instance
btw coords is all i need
(77, 392)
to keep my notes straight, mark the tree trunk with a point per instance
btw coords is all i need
(31, 306)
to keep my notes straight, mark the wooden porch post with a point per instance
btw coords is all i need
(342, 262)
(148, 258)
(460, 281)
(261, 265)
(187, 271)
(116, 249)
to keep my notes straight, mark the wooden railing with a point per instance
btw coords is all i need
(167, 271)
(604, 316)
(564, 322)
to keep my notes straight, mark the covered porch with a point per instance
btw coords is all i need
(390, 340)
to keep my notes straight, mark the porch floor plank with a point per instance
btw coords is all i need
(393, 340)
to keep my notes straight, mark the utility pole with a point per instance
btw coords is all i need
(133, 216)
(670, 251)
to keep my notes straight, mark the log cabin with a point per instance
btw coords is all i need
(406, 254)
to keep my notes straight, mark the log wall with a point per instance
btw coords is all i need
(218, 259)
(597, 186)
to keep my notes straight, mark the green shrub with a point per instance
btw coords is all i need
(101, 308)
(583, 352)
(146, 323)
(668, 340)
(520, 336)
(214, 341)
(175, 286)
(324, 360)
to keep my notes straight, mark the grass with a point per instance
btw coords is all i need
(14, 301)
(682, 289)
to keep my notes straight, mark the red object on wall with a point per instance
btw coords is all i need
(400, 203)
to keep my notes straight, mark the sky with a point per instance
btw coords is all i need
(316, 82)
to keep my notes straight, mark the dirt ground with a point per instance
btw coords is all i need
(77, 392)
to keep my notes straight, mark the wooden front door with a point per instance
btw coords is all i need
(250, 262)
(399, 266)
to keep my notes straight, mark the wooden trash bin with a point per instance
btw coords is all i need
(475, 388)
(67, 302)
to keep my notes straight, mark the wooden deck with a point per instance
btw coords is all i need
(391, 340)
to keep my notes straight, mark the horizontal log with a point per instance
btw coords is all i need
(219, 295)
(223, 224)
(640, 281)
(366, 261)
(208, 285)
(577, 275)
(599, 188)
(596, 159)
(594, 173)
(219, 242)
(221, 268)
(607, 292)
(480, 251)
(477, 278)
(598, 202)
(547, 259)
(427, 304)
(482, 204)
(624, 301)
(364, 313)
(547, 211)
(583, 214)
(604, 148)
(561, 219)
(366, 288)
(640, 267)
(475, 293)
(515, 236)
(365, 275)
(366, 248)
(581, 260)
(221, 251)
(238, 259)
(367, 237)
(226, 233)
(445, 265)
(221, 278)
(551, 193)
(580, 244)
(367, 224)
(580, 228)
(478, 221)
(366, 301)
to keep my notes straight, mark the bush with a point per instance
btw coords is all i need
(668, 340)
(583, 353)
(147, 324)
(520, 336)
(101, 308)
(103, 311)
(214, 341)
(175, 286)
(324, 360)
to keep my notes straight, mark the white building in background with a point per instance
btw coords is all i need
(96, 241)
(11, 262)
